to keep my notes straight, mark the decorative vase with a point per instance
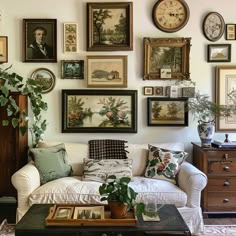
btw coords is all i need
(206, 131)
(118, 210)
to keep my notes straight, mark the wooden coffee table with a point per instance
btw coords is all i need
(33, 224)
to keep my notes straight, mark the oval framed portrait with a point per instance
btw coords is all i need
(213, 26)
(44, 77)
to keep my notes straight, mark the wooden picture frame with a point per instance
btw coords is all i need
(225, 84)
(230, 32)
(70, 37)
(148, 90)
(93, 111)
(157, 53)
(89, 213)
(63, 213)
(36, 31)
(107, 71)
(219, 52)
(72, 69)
(159, 91)
(3, 49)
(167, 111)
(109, 26)
(46, 78)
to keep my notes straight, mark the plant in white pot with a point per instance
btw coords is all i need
(120, 197)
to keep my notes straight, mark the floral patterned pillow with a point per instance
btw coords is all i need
(163, 163)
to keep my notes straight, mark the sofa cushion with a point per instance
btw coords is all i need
(99, 170)
(51, 162)
(73, 190)
(164, 163)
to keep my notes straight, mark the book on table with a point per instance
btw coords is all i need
(220, 144)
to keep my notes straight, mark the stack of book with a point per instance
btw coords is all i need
(220, 144)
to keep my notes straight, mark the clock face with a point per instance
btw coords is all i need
(170, 15)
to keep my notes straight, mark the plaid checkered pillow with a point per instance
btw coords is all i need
(107, 149)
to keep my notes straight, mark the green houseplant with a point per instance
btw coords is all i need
(14, 82)
(117, 193)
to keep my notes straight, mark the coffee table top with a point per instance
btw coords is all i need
(33, 221)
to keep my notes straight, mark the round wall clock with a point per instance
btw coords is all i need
(213, 26)
(170, 15)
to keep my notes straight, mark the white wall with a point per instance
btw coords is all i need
(12, 13)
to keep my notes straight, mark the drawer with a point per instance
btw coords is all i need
(221, 184)
(222, 167)
(221, 155)
(222, 201)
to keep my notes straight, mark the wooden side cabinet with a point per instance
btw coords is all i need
(219, 165)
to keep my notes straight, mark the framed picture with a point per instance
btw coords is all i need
(72, 69)
(92, 111)
(230, 32)
(3, 49)
(110, 26)
(167, 111)
(107, 71)
(219, 52)
(225, 85)
(93, 212)
(63, 213)
(160, 53)
(70, 37)
(46, 78)
(148, 90)
(159, 91)
(40, 40)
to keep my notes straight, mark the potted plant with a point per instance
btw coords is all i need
(120, 197)
(17, 117)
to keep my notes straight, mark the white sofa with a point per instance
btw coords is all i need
(186, 195)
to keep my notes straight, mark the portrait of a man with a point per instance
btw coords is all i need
(40, 40)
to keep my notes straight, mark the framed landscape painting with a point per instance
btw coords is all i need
(107, 71)
(72, 69)
(167, 111)
(105, 111)
(110, 26)
(3, 49)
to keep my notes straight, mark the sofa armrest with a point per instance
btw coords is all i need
(192, 181)
(25, 180)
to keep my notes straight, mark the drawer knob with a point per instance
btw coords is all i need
(226, 183)
(226, 156)
(226, 168)
(226, 200)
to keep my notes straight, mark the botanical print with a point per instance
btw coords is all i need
(166, 56)
(110, 26)
(166, 112)
(70, 37)
(98, 111)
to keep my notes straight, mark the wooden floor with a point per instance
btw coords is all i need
(220, 220)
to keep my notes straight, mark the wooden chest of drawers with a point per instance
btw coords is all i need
(219, 165)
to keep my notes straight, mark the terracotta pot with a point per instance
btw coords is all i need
(118, 210)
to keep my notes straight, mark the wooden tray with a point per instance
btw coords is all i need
(67, 217)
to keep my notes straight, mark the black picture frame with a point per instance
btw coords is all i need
(158, 113)
(79, 107)
(219, 52)
(32, 51)
(114, 41)
(72, 69)
(230, 31)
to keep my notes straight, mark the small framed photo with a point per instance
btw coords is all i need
(159, 91)
(40, 40)
(219, 53)
(107, 71)
(230, 32)
(72, 69)
(63, 213)
(148, 90)
(3, 49)
(46, 78)
(188, 92)
(93, 212)
(110, 26)
(167, 111)
(70, 37)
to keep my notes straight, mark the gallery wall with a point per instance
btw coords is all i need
(203, 73)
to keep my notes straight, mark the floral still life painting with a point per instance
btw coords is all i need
(114, 112)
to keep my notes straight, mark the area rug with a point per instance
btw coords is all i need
(210, 230)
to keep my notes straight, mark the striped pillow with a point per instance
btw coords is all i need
(99, 170)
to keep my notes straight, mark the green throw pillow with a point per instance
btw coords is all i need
(51, 162)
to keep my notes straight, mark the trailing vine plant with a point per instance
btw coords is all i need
(17, 117)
